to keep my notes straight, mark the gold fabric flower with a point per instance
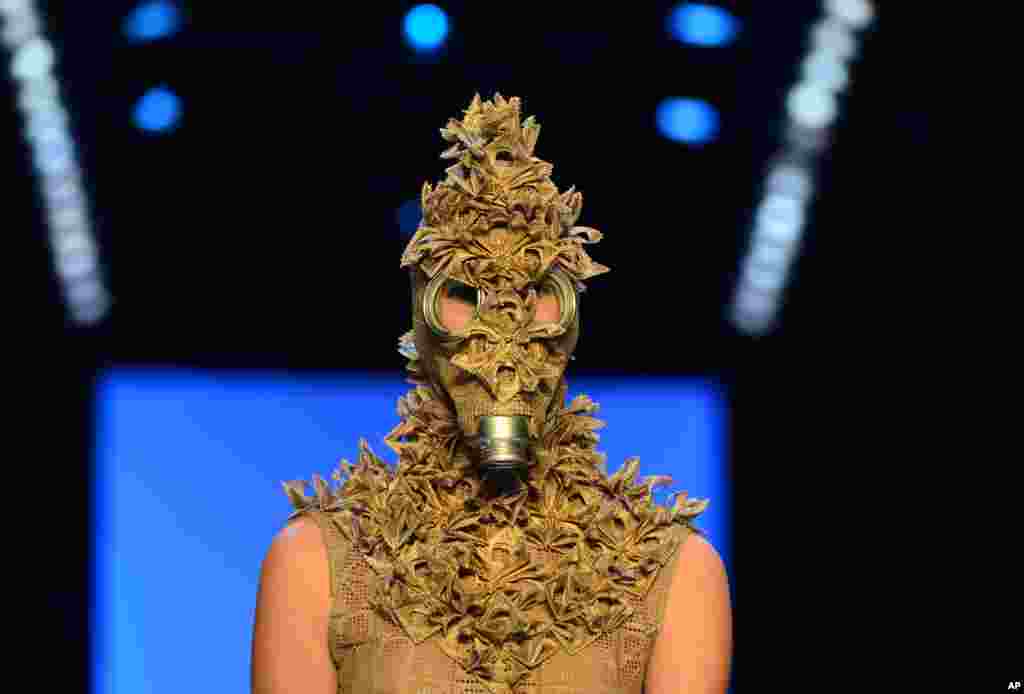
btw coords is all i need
(493, 353)
(496, 182)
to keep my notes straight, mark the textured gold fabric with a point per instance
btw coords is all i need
(439, 587)
(438, 584)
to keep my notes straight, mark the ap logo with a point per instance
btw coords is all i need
(1014, 686)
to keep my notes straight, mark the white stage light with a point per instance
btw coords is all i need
(790, 180)
(824, 68)
(62, 192)
(73, 242)
(19, 28)
(775, 257)
(39, 122)
(831, 36)
(781, 209)
(32, 60)
(67, 218)
(38, 94)
(753, 312)
(88, 294)
(777, 232)
(765, 279)
(53, 151)
(812, 106)
(857, 13)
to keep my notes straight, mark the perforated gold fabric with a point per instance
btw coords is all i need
(373, 655)
(438, 587)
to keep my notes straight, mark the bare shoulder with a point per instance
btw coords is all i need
(700, 559)
(289, 647)
(296, 565)
(693, 651)
(297, 560)
(299, 537)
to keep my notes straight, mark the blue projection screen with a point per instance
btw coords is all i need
(187, 497)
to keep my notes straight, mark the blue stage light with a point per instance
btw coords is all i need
(152, 20)
(687, 120)
(426, 27)
(702, 25)
(159, 110)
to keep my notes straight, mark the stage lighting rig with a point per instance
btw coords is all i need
(812, 107)
(47, 130)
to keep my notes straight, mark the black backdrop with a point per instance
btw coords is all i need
(262, 234)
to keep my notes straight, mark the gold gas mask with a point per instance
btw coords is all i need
(497, 268)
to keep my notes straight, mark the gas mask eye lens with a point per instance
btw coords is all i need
(548, 305)
(454, 304)
(556, 301)
(456, 291)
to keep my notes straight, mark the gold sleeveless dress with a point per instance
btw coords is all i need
(439, 589)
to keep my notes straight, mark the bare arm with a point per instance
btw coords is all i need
(693, 653)
(290, 652)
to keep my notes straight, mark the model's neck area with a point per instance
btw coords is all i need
(494, 482)
(432, 422)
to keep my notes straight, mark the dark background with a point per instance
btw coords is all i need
(262, 234)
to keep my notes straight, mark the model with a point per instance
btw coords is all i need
(497, 555)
